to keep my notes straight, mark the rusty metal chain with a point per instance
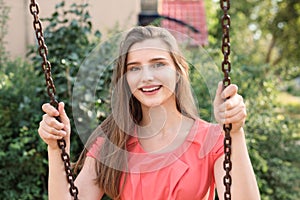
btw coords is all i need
(226, 67)
(46, 65)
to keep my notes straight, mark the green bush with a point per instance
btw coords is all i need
(70, 38)
(22, 155)
(272, 135)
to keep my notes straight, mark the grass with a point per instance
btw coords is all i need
(290, 103)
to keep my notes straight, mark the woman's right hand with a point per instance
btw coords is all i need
(50, 129)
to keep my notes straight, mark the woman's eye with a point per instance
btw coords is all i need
(134, 68)
(159, 64)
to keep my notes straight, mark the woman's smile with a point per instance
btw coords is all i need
(151, 89)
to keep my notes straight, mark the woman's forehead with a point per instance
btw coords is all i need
(155, 44)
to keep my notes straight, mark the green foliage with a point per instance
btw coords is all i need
(271, 134)
(266, 31)
(70, 38)
(91, 93)
(263, 35)
(69, 41)
(22, 156)
(19, 146)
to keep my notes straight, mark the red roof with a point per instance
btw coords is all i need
(191, 12)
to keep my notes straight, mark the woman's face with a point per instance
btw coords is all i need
(151, 73)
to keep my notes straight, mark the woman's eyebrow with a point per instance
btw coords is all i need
(158, 59)
(150, 61)
(133, 63)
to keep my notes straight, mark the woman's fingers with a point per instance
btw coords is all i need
(231, 112)
(52, 113)
(50, 110)
(47, 136)
(229, 107)
(50, 129)
(223, 95)
(234, 116)
(229, 91)
(231, 103)
(52, 122)
(63, 116)
(54, 130)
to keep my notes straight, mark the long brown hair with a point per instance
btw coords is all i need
(126, 110)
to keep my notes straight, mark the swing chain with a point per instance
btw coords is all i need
(46, 65)
(43, 51)
(226, 67)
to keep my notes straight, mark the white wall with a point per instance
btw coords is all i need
(105, 14)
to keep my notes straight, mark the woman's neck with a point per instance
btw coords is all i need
(160, 120)
(163, 129)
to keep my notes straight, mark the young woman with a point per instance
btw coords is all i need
(153, 145)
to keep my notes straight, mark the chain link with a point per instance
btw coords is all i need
(226, 67)
(46, 66)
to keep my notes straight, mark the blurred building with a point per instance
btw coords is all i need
(105, 15)
(185, 16)
(192, 15)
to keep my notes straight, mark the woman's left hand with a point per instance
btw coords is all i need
(229, 107)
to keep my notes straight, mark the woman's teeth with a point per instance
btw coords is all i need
(150, 89)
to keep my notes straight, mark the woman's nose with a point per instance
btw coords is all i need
(147, 74)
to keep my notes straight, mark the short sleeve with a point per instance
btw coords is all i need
(213, 142)
(93, 151)
(218, 149)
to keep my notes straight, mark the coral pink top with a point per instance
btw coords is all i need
(184, 173)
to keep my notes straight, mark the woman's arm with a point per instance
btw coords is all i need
(50, 131)
(233, 110)
(244, 185)
(85, 181)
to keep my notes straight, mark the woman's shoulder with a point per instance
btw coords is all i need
(93, 149)
(203, 127)
(208, 136)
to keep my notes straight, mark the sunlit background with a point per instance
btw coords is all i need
(265, 65)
